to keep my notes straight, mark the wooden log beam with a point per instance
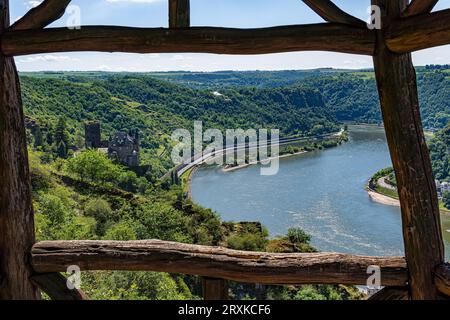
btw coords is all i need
(325, 36)
(419, 7)
(215, 262)
(419, 32)
(42, 15)
(16, 211)
(328, 11)
(55, 286)
(179, 14)
(397, 88)
(391, 293)
(442, 279)
(215, 289)
(401, 36)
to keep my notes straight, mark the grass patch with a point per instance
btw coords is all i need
(387, 192)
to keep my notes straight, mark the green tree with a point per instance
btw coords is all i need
(122, 231)
(61, 150)
(101, 211)
(309, 293)
(93, 166)
(298, 236)
(61, 133)
(38, 138)
(53, 207)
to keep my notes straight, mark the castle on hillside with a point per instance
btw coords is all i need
(121, 146)
(124, 148)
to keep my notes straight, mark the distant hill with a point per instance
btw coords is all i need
(297, 102)
(350, 94)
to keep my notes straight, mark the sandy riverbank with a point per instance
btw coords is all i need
(379, 198)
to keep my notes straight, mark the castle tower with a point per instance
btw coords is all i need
(92, 134)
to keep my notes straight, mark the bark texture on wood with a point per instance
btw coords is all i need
(419, 7)
(324, 36)
(55, 286)
(419, 32)
(391, 293)
(42, 15)
(328, 11)
(215, 262)
(402, 36)
(215, 289)
(442, 279)
(397, 88)
(16, 213)
(179, 14)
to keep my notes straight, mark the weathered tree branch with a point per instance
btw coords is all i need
(397, 87)
(328, 11)
(419, 32)
(55, 285)
(16, 209)
(419, 7)
(403, 35)
(179, 14)
(42, 15)
(215, 262)
(325, 36)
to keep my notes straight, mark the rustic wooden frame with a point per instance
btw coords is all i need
(406, 27)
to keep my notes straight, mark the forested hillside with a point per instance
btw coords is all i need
(156, 108)
(350, 95)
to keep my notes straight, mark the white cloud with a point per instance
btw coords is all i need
(178, 57)
(209, 62)
(48, 58)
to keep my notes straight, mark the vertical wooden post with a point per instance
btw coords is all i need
(397, 88)
(215, 289)
(16, 213)
(179, 14)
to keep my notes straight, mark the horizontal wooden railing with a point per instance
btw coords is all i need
(215, 262)
(218, 264)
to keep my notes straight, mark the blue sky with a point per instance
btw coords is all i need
(226, 13)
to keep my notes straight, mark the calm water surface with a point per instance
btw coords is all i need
(321, 192)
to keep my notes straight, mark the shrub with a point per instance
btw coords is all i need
(101, 211)
(298, 236)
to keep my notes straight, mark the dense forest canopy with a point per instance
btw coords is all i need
(158, 107)
(350, 95)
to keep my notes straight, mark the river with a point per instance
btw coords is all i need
(321, 192)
